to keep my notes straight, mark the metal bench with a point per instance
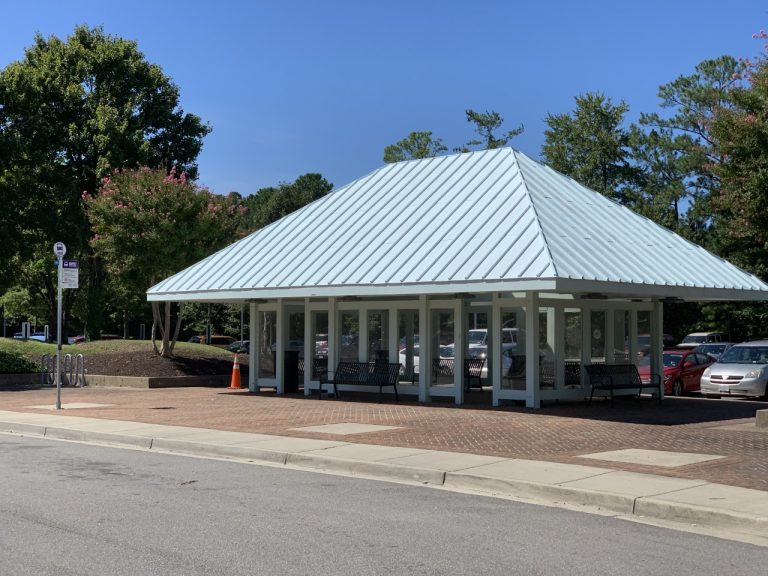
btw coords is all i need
(377, 373)
(613, 377)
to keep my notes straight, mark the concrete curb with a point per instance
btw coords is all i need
(651, 507)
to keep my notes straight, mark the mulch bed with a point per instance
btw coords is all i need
(147, 363)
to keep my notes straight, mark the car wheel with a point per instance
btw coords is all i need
(677, 388)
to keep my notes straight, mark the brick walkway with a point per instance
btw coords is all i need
(557, 433)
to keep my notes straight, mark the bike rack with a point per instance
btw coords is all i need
(72, 370)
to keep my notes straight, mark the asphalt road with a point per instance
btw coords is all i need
(74, 509)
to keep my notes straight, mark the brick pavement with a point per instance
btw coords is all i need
(557, 433)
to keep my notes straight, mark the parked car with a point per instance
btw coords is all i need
(742, 370)
(644, 343)
(713, 349)
(695, 338)
(240, 347)
(39, 336)
(683, 370)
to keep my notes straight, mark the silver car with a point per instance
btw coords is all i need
(741, 371)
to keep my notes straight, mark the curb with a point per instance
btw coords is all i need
(653, 507)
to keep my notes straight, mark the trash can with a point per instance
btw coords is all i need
(291, 371)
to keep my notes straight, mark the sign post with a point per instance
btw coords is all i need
(59, 249)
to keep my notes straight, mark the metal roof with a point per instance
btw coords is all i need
(485, 221)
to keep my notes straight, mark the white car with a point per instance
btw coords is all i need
(695, 338)
(741, 371)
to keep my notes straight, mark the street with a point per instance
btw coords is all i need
(78, 509)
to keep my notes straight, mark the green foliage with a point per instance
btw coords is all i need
(11, 363)
(591, 146)
(270, 204)
(70, 112)
(486, 126)
(417, 145)
(148, 226)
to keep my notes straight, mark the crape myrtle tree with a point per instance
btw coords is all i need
(70, 112)
(148, 225)
(741, 200)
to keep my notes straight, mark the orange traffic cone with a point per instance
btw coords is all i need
(235, 382)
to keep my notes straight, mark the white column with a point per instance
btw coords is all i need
(253, 347)
(425, 337)
(459, 335)
(532, 392)
(495, 371)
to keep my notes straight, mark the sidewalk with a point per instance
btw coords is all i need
(607, 481)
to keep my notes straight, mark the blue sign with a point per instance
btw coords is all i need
(71, 264)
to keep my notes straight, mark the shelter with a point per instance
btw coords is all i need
(488, 254)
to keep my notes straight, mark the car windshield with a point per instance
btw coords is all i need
(694, 339)
(745, 355)
(672, 360)
(711, 348)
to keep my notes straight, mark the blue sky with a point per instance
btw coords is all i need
(301, 86)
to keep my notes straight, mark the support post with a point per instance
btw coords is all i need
(532, 392)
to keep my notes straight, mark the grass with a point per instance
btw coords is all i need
(34, 349)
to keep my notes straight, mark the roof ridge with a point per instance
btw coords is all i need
(514, 153)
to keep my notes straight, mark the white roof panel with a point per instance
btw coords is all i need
(480, 221)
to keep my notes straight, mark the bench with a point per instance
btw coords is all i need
(366, 374)
(612, 377)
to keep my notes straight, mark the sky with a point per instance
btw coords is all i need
(297, 86)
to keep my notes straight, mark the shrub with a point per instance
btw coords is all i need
(16, 364)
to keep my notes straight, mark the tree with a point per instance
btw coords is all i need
(684, 146)
(416, 146)
(270, 204)
(148, 225)
(486, 125)
(71, 111)
(741, 133)
(591, 146)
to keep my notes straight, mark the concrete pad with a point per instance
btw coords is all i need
(633, 484)
(652, 457)
(445, 461)
(539, 472)
(343, 428)
(761, 419)
(367, 452)
(70, 406)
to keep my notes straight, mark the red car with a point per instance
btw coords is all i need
(682, 370)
